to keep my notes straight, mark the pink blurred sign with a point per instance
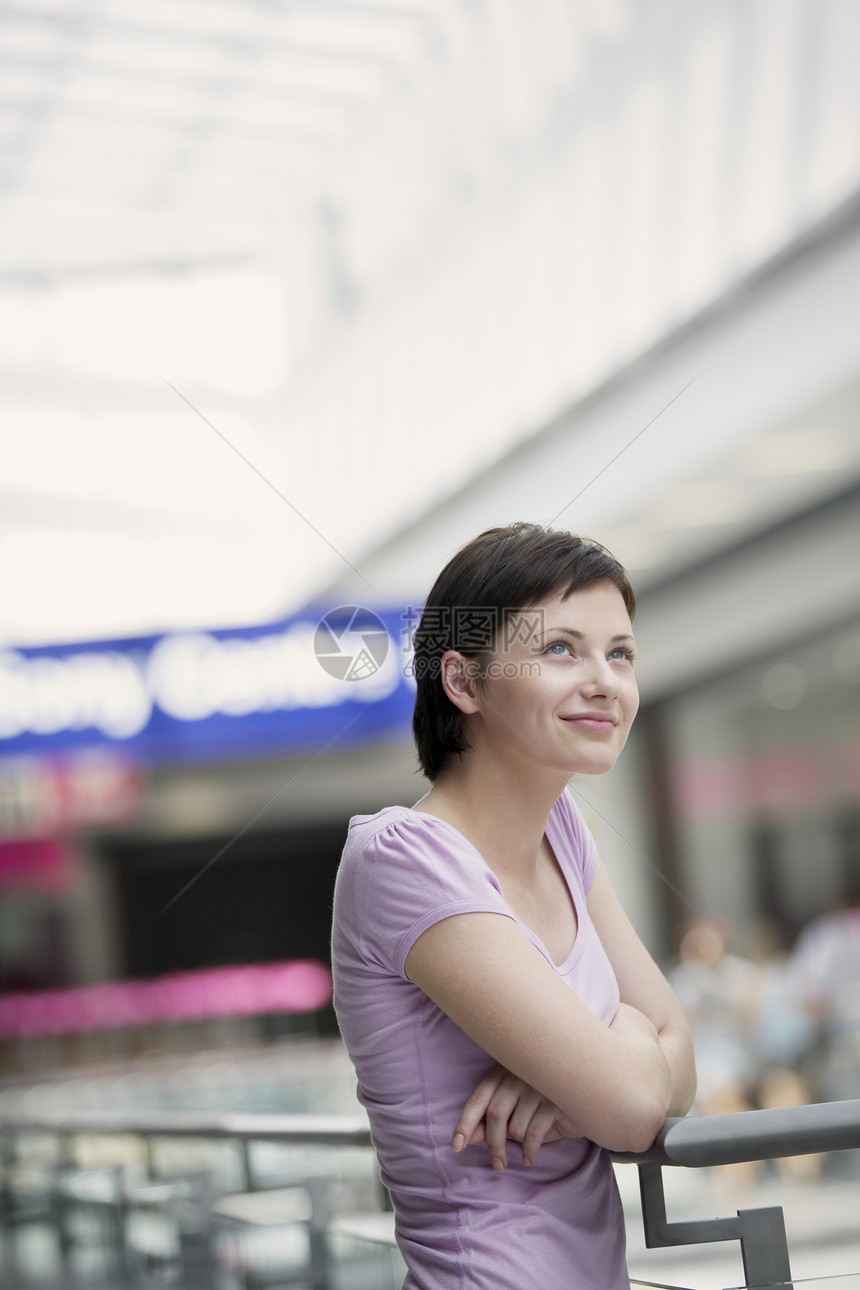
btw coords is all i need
(41, 863)
(294, 986)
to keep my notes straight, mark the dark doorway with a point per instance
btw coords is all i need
(269, 896)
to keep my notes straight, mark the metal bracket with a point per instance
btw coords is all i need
(761, 1232)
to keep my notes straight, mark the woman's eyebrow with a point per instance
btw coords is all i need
(572, 631)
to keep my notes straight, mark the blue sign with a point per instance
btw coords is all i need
(332, 678)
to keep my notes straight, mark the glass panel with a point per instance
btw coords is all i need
(657, 1285)
(845, 1281)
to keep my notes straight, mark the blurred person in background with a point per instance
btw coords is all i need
(751, 1032)
(782, 1037)
(825, 970)
(782, 1034)
(507, 1026)
(718, 991)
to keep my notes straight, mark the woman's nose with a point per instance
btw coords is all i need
(601, 678)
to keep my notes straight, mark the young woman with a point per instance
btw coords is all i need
(507, 1026)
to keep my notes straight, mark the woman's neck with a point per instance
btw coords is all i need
(501, 812)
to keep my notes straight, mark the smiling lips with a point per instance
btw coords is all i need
(596, 723)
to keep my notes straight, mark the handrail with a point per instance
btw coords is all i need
(729, 1139)
(321, 1130)
(692, 1142)
(697, 1141)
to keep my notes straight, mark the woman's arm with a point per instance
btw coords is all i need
(613, 1082)
(504, 1107)
(643, 986)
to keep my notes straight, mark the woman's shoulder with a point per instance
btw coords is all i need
(407, 851)
(369, 825)
(400, 829)
(392, 818)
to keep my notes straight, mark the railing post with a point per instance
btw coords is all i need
(8, 1157)
(764, 1247)
(59, 1204)
(761, 1232)
(246, 1170)
(318, 1190)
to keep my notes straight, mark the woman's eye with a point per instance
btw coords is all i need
(622, 652)
(558, 648)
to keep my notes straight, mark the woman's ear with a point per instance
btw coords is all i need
(460, 677)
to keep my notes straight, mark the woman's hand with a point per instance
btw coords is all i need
(504, 1106)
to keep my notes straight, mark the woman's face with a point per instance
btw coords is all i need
(559, 688)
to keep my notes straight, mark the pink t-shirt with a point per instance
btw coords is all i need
(461, 1225)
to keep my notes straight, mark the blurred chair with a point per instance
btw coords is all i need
(363, 1253)
(88, 1216)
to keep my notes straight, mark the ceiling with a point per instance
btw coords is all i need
(193, 196)
(158, 134)
(281, 275)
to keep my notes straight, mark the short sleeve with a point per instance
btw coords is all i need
(572, 840)
(402, 872)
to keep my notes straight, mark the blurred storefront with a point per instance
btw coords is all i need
(179, 802)
(765, 783)
(593, 265)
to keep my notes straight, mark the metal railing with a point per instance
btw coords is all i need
(698, 1142)
(693, 1142)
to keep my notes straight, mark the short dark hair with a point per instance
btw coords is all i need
(498, 574)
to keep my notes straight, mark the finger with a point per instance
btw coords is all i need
(542, 1123)
(528, 1104)
(479, 1135)
(469, 1127)
(512, 1104)
(473, 1112)
(496, 1130)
